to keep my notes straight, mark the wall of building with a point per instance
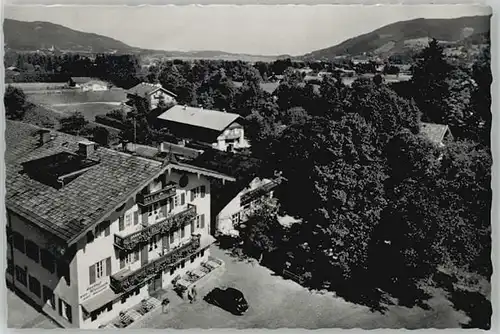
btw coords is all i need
(156, 96)
(226, 139)
(59, 285)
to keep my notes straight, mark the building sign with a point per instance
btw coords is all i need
(93, 290)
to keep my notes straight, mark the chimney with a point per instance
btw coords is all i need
(86, 148)
(44, 136)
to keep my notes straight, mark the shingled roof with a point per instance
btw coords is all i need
(203, 118)
(434, 132)
(68, 211)
(144, 89)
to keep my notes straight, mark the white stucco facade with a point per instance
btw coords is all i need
(156, 96)
(237, 210)
(97, 260)
(232, 138)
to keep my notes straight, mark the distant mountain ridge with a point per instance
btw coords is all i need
(402, 36)
(32, 36)
(38, 35)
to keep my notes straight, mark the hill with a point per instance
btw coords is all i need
(404, 36)
(32, 36)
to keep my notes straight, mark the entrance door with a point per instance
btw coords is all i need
(155, 283)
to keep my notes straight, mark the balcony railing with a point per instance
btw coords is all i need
(124, 281)
(164, 193)
(176, 221)
(258, 192)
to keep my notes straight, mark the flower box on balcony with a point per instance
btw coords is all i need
(164, 193)
(131, 241)
(126, 280)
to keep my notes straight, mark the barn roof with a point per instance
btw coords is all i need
(203, 118)
(434, 132)
(144, 89)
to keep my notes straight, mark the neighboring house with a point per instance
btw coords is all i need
(275, 78)
(438, 134)
(222, 130)
(88, 84)
(153, 93)
(92, 232)
(237, 210)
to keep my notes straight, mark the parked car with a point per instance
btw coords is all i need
(229, 299)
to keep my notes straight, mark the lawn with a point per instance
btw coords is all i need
(75, 96)
(89, 110)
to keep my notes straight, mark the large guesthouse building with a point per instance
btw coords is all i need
(93, 231)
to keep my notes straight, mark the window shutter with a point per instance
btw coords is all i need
(136, 217)
(203, 191)
(202, 221)
(92, 274)
(121, 225)
(164, 209)
(108, 266)
(68, 313)
(192, 226)
(183, 229)
(107, 229)
(192, 195)
(122, 262)
(183, 198)
(136, 256)
(60, 307)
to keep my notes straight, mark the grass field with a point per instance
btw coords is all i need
(67, 97)
(89, 110)
(37, 86)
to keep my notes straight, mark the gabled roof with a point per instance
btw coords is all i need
(88, 199)
(143, 89)
(68, 211)
(434, 132)
(203, 118)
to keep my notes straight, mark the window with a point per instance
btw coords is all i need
(183, 231)
(48, 297)
(18, 241)
(172, 237)
(32, 251)
(235, 218)
(65, 310)
(154, 209)
(129, 259)
(21, 275)
(128, 220)
(183, 198)
(198, 192)
(121, 223)
(48, 260)
(200, 221)
(99, 270)
(153, 243)
(34, 286)
(102, 228)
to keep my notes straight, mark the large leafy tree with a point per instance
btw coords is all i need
(431, 72)
(15, 103)
(335, 168)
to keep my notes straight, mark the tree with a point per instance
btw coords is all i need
(73, 124)
(430, 83)
(15, 103)
(261, 232)
(101, 135)
(335, 167)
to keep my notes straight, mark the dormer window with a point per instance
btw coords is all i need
(58, 169)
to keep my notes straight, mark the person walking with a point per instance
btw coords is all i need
(194, 293)
(164, 305)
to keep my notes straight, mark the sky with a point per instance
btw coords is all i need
(252, 29)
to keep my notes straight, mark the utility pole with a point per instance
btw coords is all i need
(135, 134)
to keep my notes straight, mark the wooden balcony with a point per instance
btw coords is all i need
(126, 279)
(258, 192)
(164, 193)
(162, 227)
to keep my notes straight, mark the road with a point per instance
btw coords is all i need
(277, 303)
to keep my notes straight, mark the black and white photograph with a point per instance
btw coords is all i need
(248, 167)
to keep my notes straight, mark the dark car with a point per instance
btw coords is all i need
(229, 299)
